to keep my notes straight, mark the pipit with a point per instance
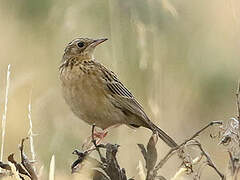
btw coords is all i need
(96, 95)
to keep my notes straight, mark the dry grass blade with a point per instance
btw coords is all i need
(52, 168)
(31, 129)
(4, 117)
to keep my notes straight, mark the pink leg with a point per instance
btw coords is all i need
(98, 136)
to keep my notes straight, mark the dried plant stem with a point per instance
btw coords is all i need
(31, 129)
(173, 150)
(26, 162)
(52, 168)
(14, 171)
(4, 117)
(201, 130)
(209, 161)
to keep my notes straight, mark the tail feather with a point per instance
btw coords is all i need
(167, 139)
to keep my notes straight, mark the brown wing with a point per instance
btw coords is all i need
(122, 97)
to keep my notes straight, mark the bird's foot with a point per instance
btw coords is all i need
(99, 136)
(96, 137)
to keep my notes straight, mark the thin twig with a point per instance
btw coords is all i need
(201, 130)
(173, 150)
(165, 159)
(209, 160)
(26, 163)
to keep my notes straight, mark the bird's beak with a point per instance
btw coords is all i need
(98, 41)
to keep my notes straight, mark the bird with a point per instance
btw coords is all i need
(95, 94)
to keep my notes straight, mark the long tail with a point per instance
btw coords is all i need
(167, 139)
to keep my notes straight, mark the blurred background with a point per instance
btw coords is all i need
(179, 58)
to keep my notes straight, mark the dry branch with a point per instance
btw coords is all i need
(107, 168)
(174, 150)
(25, 168)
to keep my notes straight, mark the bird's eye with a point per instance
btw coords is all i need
(80, 44)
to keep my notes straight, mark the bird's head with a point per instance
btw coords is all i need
(82, 48)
